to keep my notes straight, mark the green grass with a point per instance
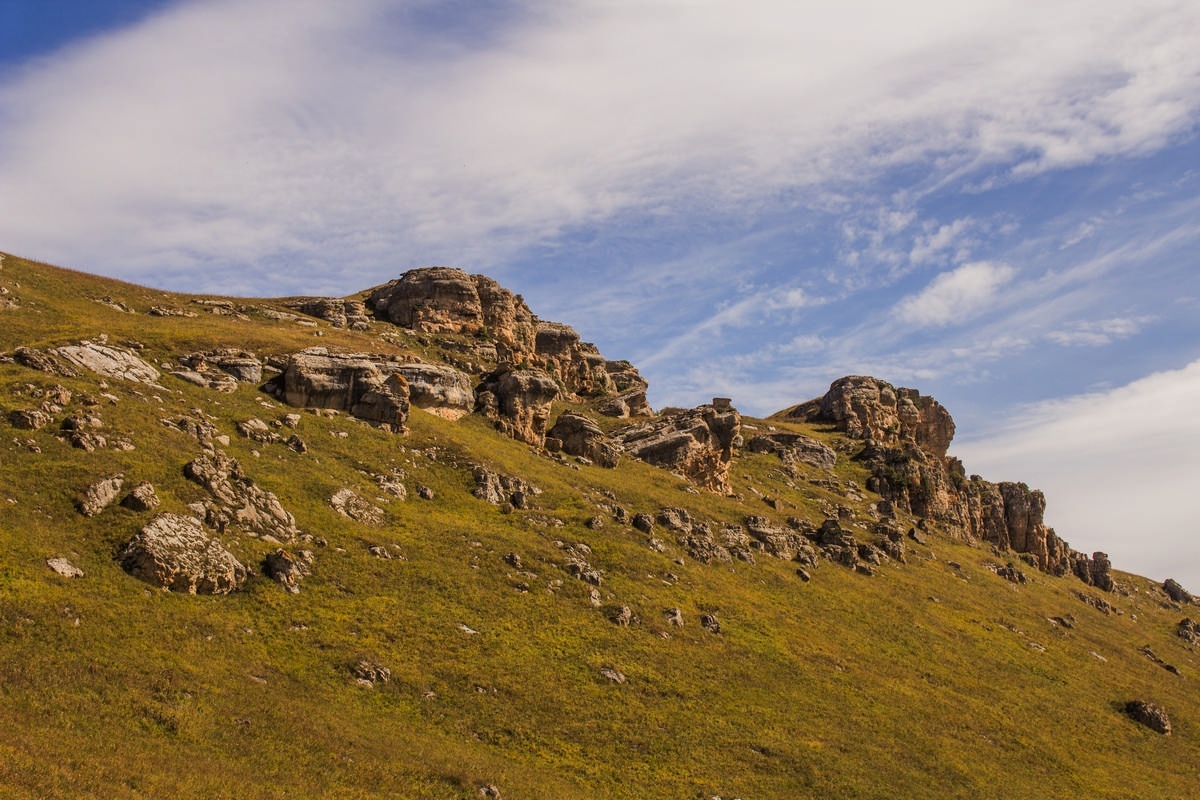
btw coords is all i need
(918, 682)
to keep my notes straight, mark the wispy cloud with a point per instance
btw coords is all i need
(955, 296)
(1097, 333)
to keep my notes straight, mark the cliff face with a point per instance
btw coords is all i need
(906, 436)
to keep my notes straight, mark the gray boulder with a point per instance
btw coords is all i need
(173, 552)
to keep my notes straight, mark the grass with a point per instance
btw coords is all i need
(921, 681)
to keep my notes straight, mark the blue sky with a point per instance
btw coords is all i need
(994, 201)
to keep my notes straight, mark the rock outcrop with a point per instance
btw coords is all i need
(577, 365)
(577, 435)
(518, 402)
(339, 313)
(696, 443)
(112, 362)
(173, 552)
(440, 390)
(369, 387)
(240, 502)
(794, 447)
(906, 436)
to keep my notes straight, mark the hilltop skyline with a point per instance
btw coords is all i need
(995, 203)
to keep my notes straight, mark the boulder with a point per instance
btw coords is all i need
(1176, 592)
(142, 498)
(29, 419)
(350, 314)
(99, 495)
(369, 672)
(697, 444)
(1152, 715)
(112, 362)
(173, 552)
(240, 365)
(196, 426)
(431, 300)
(580, 436)
(64, 568)
(287, 568)
(494, 488)
(349, 504)
(240, 501)
(518, 402)
(366, 386)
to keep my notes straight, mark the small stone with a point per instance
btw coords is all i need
(64, 568)
(623, 616)
(674, 616)
(594, 523)
(803, 575)
(29, 419)
(614, 675)
(424, 492)
(710, 623)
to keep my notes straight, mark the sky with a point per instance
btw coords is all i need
(994, 201)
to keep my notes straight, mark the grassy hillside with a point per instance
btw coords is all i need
(934, 678)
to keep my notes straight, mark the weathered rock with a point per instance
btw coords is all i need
(29, 419)
(868, 408)
(243, 503)
(142, 498)
(64, 568)
(710, 623)
(286, 568)
(43, 362)
(240, 365)
(1094, 571)
(494, 488)
(430, 299)
(674, 616)
(369, 672)
(339, 313)
(580, 436)
(349, 504)
(507, 320)
(366, 386)
(793, 447)
(1176, 592)
(112, 362)
(622, 616)
(614, 675)
(1152, 715)
(698, 444)
(777, 541)
(1010, 573)
(1189, 630)
(257, 431)
(518, 402)
(440, 390)
(173, 552)
(99, 495)
(630, 386)
(578, 366)
(196, 426)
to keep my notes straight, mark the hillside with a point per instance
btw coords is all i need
(441, 558)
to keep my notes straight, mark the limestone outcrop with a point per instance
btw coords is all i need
(173, 552)
(109, 361)
(518, 402)
(696, 443)
(577, 435)
(369, 387)
(350, 314)
(794, 447)
(438, 389)
(239, 501)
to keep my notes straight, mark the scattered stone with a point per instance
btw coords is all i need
(1152, 715)
(643, 523)
(379, 551)
(594, 523)
(64, 568)
(710, 623)
(99, 495)
(257, 431)
(29, 419)
(917, 536)
(349, 504)
(1176, 592)
(614, 675)
(367, 673)
(174, 553)
(424, 492)
(1011, 573)
(195, 426)
(43, 362)
(864, 569)
(803, 575)
(490, 791)
(622, 616)
(674, 616)
(1098, 603)
(287, 568)
(1066, 621)
(513, 560)
(296, 444)
(142, 498)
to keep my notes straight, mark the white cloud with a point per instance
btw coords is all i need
(936, 243)
(222, 133)
(955, 296)
(1118, 469)
(1097, 333)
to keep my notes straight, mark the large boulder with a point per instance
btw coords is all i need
(369, 387)
(696, 443)
(580, 436)
(173, 552)
(518, 402)
(430, 299)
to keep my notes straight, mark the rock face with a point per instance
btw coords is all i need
(580, 436)
(697, 443)
(577, 365)
(240, 501)
(173, 552)
(368, 387)
(440, 390)
(112, 362)
(630, 387)
(431, 300)
(339, 313)
(518, 402)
